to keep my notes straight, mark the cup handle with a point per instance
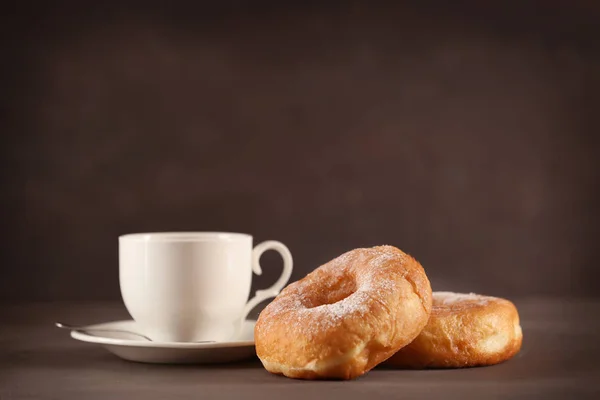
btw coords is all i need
(274, 290)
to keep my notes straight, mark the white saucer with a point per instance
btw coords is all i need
(133, 348)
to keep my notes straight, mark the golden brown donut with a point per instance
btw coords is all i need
(464, 330)
(345, 317)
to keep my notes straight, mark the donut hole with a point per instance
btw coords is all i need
(336, 291)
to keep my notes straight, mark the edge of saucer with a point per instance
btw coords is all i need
(84, 337)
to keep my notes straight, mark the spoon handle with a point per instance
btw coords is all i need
(89, 329)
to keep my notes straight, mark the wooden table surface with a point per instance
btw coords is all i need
(559, 359)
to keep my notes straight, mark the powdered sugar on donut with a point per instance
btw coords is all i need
(296, 306)
(451, 298)
(325, 316)
(355, 303)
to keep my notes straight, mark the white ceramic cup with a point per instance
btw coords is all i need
(193, 286)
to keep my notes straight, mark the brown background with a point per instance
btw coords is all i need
(465, 135)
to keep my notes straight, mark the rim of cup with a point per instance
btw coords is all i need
(183, 236)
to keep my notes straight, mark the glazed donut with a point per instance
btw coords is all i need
(464, 330)
(345, 317)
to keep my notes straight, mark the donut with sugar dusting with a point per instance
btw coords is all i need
(464, 330)
(346, 316)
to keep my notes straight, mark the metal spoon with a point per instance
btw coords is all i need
(90, 329)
